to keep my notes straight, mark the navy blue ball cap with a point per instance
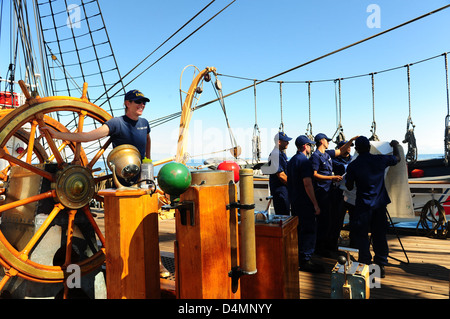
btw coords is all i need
(302, 140)
(135, 95)
(282, 137)
(320, 136)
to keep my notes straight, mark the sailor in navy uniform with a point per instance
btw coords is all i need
(339, 207)
(278, 178)
(303, 203)
(367, 173)
(322, 164)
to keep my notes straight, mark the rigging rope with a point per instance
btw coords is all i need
(446, 81)
(447, 118)
(1, 19)
(309, 132)
(65, 41)
(333, 79)
(373, 129)
(256, 139)
(281, 128)
(173, 48)
(151, 53)
(411, 155)
(20, 29)
(336, 51)
(339, 134)
(218, 89)
(94, 14)
(58, 43)
(177, 114)
(44, 83)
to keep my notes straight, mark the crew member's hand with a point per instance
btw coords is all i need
(316, 210)
(49, 130)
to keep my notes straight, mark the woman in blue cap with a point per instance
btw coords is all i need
(130, 128)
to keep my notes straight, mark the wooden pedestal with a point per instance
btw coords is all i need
(276, 261)
(132, 246)
(203, 250)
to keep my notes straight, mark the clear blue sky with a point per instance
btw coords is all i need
(258, 39)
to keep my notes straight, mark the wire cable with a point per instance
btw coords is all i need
(172, 47)
(334, 52)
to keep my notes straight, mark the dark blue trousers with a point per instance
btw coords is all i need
(324, 219)
(281, 201)
(363, 221)
(306, 231)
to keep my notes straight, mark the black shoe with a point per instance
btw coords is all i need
(312, 267)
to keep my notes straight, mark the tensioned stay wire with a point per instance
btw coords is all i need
(174, 115)
(333, 52)
(174, 47)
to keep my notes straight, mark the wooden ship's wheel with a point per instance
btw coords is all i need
(50, 185)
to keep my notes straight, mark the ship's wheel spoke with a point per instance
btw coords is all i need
(99, 154)
(23, 164)
(91, 219)
(82, 115)
(4, 173)
(24, 254)
(26, 201)
(48, 137)
(60, 149)
(6, 169)
(68, 259)
(32, 151)
(31, 142)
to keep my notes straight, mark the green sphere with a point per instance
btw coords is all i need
(174, 178)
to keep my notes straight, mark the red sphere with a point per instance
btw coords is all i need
(230, 166)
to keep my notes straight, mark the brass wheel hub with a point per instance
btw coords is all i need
(75, 186)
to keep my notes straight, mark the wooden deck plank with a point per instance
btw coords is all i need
(425, 277)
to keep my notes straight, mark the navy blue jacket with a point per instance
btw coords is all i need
(298, 168)
(367, 173)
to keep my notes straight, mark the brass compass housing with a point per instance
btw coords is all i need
(75, 186)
